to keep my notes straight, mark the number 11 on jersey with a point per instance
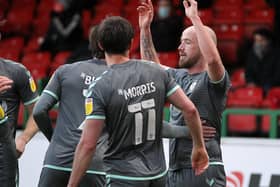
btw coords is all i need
(137, 109)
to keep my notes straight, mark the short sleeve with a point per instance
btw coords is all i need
(53, 87)
(171, 85)
(95, 103)
(223, 84)
(26, 86)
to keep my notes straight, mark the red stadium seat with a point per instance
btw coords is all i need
(45, 6)
(20, 116)
(86, 22)
(20, 26)
(238, 78)
(37, 63)
(14, 43)
(23, 4)
(102, 11)
(41, 24)
(61, 57)
(245, 97)
(229, 38)
(11, 48)
(258, 18)
(169, 59)
(59, 60)
(33, 45)
(228, 50)
(252, 5)
(130, 13)
(206, 15)
(221, 4)
(228, 16)
(135, 55)
(242, 123)
(136, 43)
(272, 99)
(228, 31)
(265, 125)
(134, 3)
(10, 54)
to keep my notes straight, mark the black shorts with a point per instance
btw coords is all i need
(214, 176)
(8, 158)
(56, 178)
(112, 182)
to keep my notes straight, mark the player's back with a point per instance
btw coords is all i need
(69, 84)
(133, 94)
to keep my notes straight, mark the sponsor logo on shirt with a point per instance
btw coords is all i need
(2, 113)
(137, 91)
(32, 84)
(89, 106)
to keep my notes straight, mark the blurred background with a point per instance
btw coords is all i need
(44, 34)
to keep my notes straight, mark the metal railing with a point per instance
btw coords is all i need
(242, 111)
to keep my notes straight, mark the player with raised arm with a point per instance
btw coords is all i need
(204, 79)
(130, 96)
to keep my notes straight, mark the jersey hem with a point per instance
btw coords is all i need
(31, 101)
(216, 163)
(121, 177)
(51, 94)
(59, 168)
(211, 163)
(172, 90)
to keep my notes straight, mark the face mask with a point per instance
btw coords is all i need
(163, 12)
(259, 49)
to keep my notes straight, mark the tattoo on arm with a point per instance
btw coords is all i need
(148, 51)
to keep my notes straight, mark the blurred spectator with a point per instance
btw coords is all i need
(86, 49)
(276, 5)
(81, 52)
(166, 27)
(263, 61)
(84, 4)
(65, 30)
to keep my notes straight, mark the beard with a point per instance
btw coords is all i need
(186, 63)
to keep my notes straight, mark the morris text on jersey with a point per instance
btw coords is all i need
(137, 91)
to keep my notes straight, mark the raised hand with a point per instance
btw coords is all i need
(190, 8)
(146, 14)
